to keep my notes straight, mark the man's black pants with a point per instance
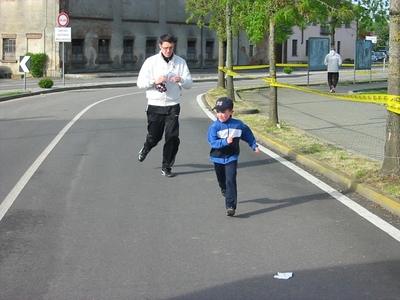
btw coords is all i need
(160, 120)
(333, 78)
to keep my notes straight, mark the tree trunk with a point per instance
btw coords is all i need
(332, 31)
(391, 161)
(221, 63)
(273, 93)
(229, 54)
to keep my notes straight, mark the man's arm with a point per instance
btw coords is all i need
(145, 79)
(186, 78)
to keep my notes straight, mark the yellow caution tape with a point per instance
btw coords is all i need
(392, 102)
(251, 67)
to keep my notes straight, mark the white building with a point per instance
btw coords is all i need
(297, 44)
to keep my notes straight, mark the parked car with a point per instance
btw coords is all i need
(380, 55)
(385, 52)
(374, 58)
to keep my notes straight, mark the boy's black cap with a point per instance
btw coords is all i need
(223, 104)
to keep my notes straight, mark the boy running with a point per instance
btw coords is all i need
(223, 136)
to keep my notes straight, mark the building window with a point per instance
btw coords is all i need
(251, 50)
(209, 49)
(307, 48)
(150, 47)
(294, 48)
(77, 50)
(104, 50)
(191, 50)
(324, 30)
(9, 49)
(128, 51)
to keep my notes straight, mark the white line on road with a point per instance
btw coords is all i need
(366, 214)
(9, 200)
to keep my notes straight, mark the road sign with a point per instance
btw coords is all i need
(62, 34)
(63, 20)
(25, 63)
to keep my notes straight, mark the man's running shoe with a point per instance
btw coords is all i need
(142, 154)
(167, 172)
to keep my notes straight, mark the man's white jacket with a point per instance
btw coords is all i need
(156, 66)
(333, 60)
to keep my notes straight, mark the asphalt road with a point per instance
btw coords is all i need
(83, 219)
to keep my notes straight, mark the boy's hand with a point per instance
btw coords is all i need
(257, 150)
(229, 140)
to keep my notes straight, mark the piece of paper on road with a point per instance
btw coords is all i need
(282, 275)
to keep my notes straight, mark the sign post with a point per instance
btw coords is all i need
(24, 65)
(63, 34)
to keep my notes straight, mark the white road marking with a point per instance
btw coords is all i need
(9, 200)
(366, 214)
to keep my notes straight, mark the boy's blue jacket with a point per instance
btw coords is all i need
(221, 152)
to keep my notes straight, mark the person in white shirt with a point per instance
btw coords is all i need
(163, 75)
(333, 60)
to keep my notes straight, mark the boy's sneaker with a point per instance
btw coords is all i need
(223, 192)
(230, 212)
(167, 172)
(142, 154)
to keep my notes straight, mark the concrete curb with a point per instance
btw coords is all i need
(390, 203)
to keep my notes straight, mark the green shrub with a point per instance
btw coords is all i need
(287, 70)
(46, 83)
(38, 62)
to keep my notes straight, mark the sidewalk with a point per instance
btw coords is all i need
(355, 126)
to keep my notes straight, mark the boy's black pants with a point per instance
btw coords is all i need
(226, 176)
(160, 120)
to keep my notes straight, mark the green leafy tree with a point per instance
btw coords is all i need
(274, 17)
(334, 13)
(382, 31)
(260, 17)
(370, 14)
(211, 14)
(221, 16)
